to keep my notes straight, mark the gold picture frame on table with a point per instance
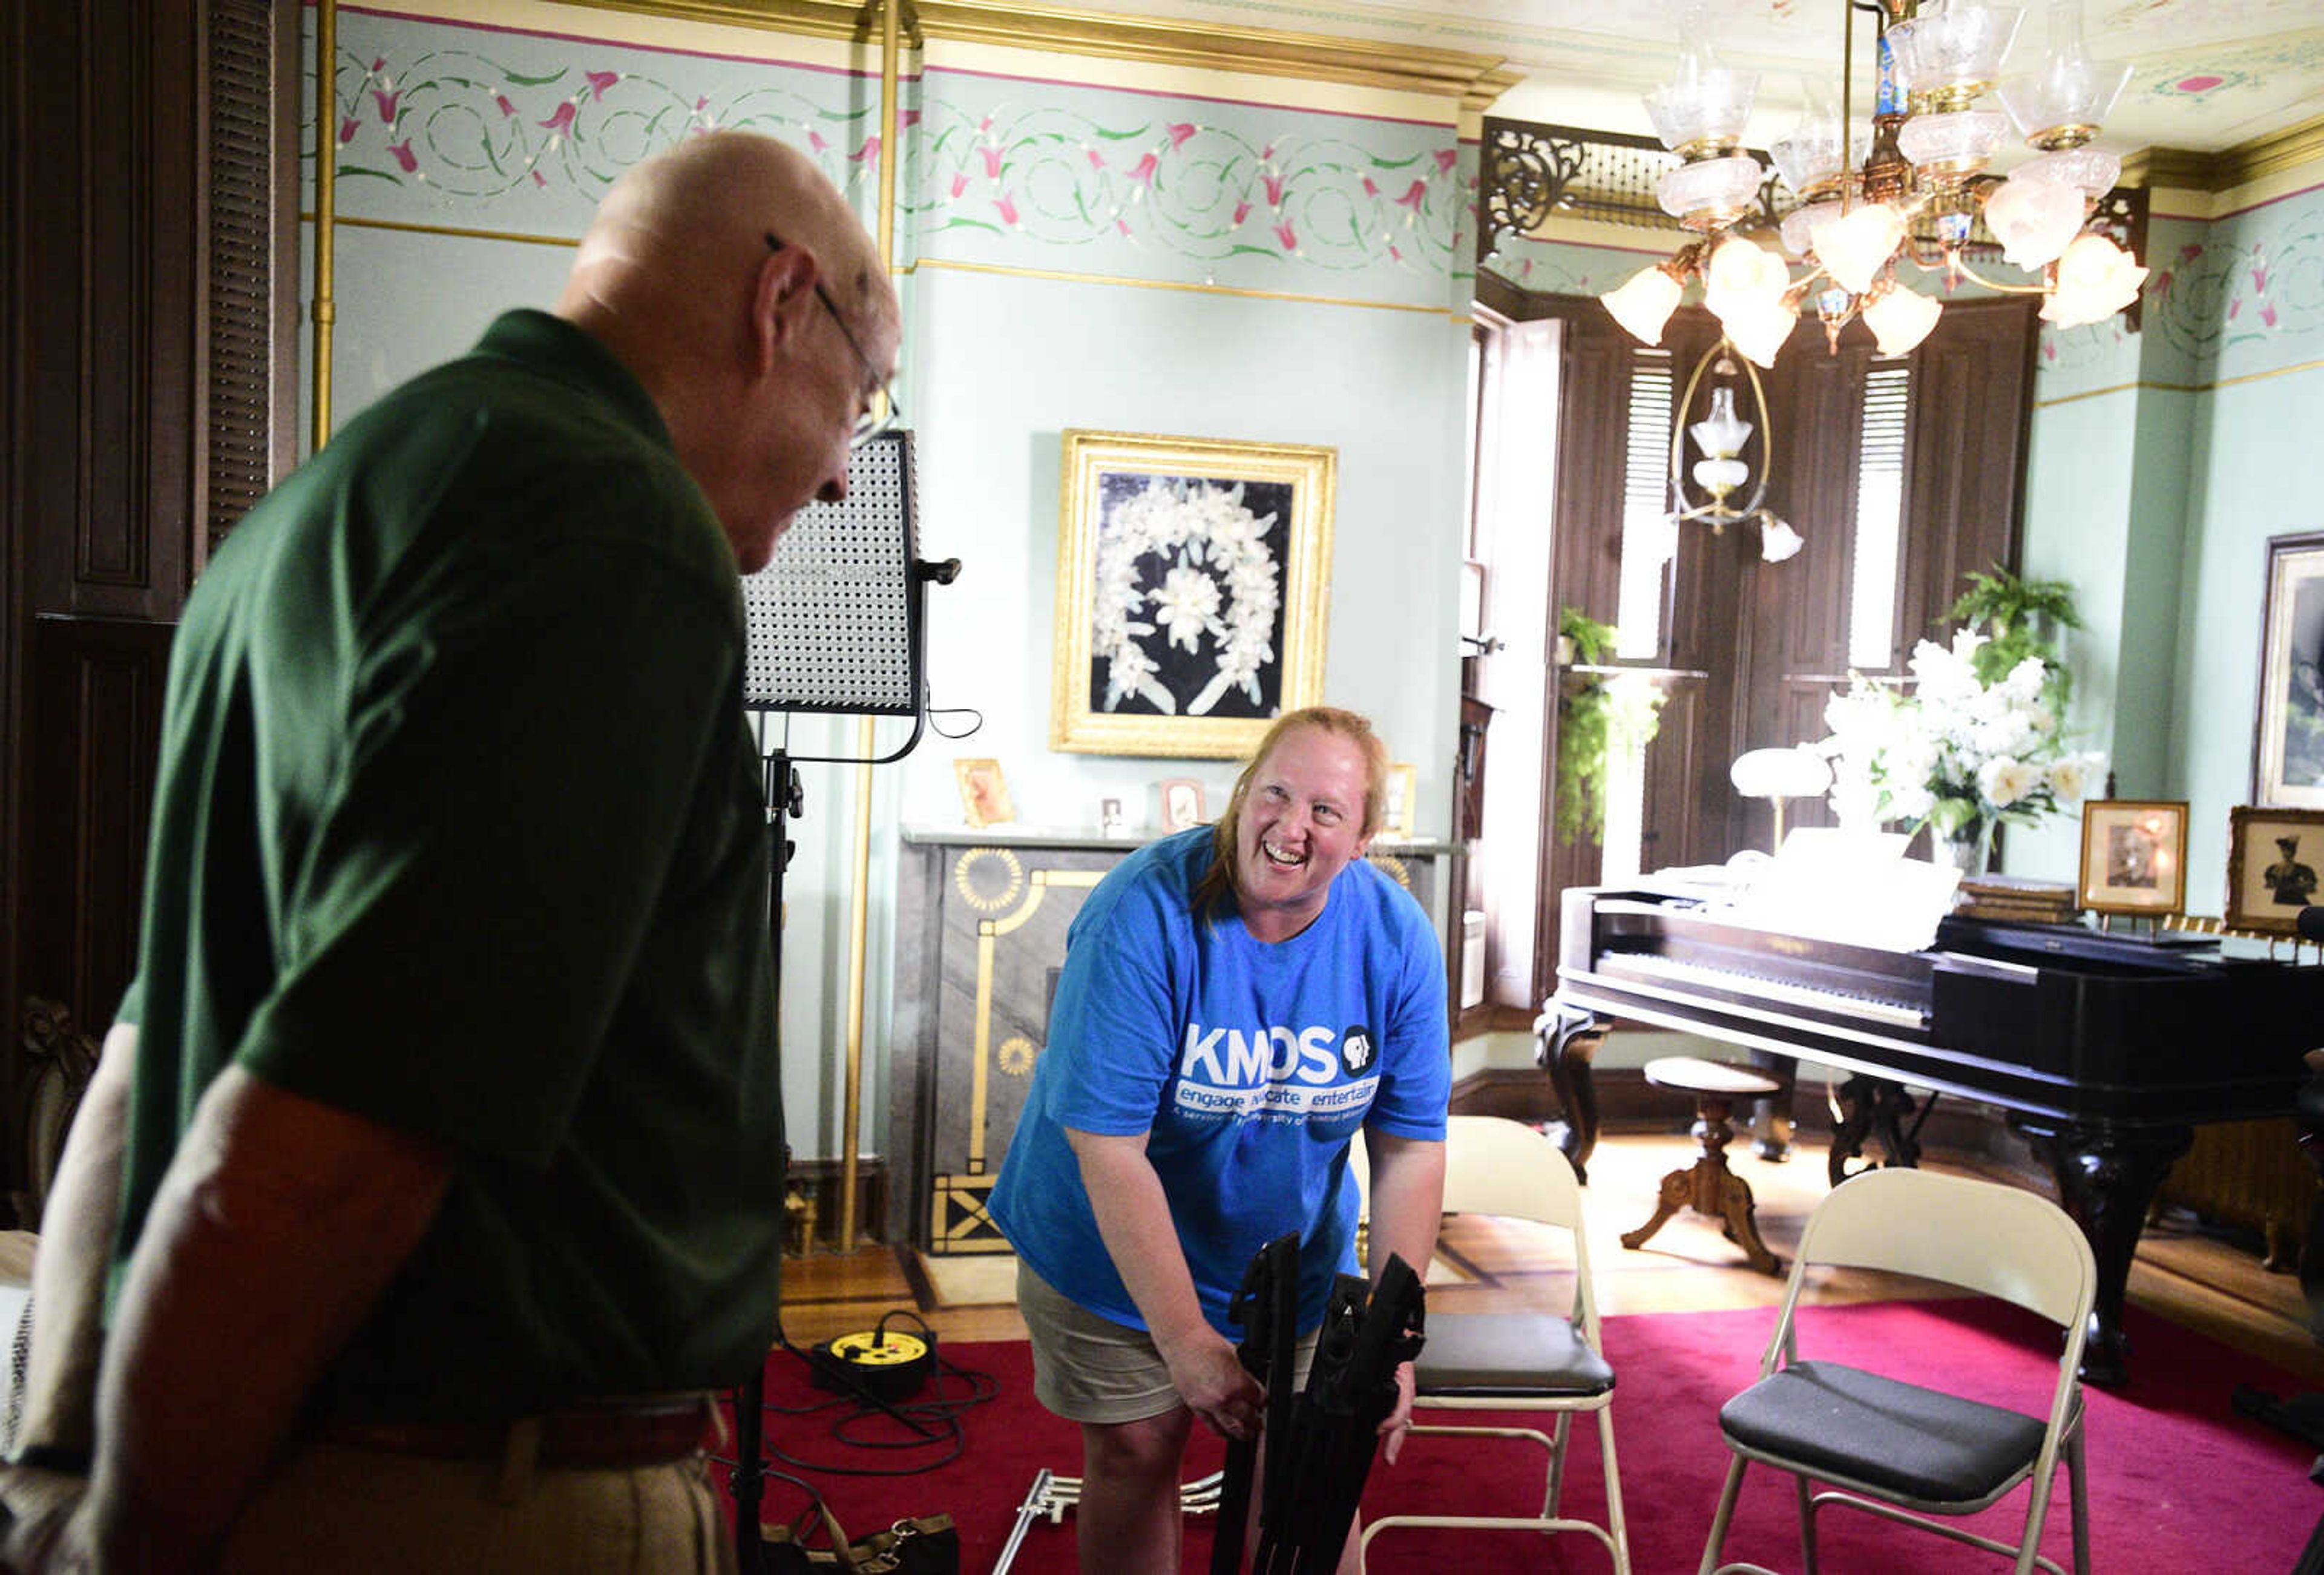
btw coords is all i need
(1193, 583)
(2274, 857)
(2133, 856)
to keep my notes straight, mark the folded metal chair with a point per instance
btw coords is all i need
(1515, 1362)
(1903, 1446)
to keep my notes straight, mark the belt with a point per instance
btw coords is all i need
(613, 1433)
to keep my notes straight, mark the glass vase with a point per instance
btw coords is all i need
(1969, 849)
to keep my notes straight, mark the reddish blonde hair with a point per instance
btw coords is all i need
(1215, 890)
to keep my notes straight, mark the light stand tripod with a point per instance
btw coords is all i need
(835, 624)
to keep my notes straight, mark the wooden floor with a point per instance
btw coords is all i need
(2184, 1272)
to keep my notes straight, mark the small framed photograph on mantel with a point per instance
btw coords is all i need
(2133, 856)
(1182, 803)
(2273, 857)
(1397, 812)
(983, 793)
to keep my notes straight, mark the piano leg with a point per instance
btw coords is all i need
(1771, 1117)
(1874, 1108)
(1568, 1042)
(2107, 1180)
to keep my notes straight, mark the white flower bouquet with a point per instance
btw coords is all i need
(1955, 753)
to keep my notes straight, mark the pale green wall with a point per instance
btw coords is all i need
(2162, 463)
(1248, 271)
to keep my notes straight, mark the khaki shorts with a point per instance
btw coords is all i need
(1089, 1369)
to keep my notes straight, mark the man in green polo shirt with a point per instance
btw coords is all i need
(432, 1177)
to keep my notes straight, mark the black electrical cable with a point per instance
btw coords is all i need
(937, 1418)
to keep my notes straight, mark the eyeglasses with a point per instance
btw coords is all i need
(869, 425)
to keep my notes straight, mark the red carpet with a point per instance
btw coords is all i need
(2178, 1482)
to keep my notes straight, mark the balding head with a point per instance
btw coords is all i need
(677, 275)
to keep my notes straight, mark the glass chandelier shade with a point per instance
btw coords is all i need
(1701, 113)
(1761, 329)
(1946, 58)
(1711, 193)
(1899, 318)
(2095, 279)
(1644, 303)
(1722, 433)
(2034, 220)
(2063, 104)
(1854, 247)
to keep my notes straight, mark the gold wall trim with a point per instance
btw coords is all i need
(369, 223)
(814, 18)
(1475, 81)
(1335, 301)
(2256, 160)
(2182, 387)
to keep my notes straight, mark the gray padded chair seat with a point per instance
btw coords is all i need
(1845, 1424)
(1479, 1355)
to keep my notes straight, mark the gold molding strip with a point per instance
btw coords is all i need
(1475, 81)
(412, 229)
(2256, 160)
(2212, 387)
(814, 18)
(1336, 301)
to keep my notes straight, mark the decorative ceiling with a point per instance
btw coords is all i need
(2208, 75)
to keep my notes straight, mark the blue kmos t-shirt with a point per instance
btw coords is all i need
(1252, 1065)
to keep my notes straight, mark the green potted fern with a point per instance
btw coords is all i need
(1601, 717)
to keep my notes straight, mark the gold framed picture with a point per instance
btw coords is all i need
(2273, 857)
(1192, 591)
(1182, 803)
(1396, 813)
(2133, 856)
(2288, 743)
(984, 792)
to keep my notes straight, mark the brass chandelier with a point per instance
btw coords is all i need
(1924, 169)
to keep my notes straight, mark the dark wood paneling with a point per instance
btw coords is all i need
(119, 119)
(1965, 450)
(97, 713)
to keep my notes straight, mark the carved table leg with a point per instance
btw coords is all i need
(1569, 1038)
(1677, 1189)
(1710, 1188)
(2107, 1177)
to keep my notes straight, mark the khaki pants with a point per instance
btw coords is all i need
(353, 1510)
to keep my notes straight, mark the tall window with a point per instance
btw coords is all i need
(1646, 504)
(1900, 475)
(1879, 515)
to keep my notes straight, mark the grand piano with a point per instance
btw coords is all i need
(2105, 1051)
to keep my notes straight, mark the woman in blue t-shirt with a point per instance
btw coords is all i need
(1236, 1002)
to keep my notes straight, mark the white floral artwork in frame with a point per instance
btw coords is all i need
(1191, 592)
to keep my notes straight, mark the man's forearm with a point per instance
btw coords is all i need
(69, 1271)
(273, 1232)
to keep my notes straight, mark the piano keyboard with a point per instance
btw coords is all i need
(1869, 1008)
